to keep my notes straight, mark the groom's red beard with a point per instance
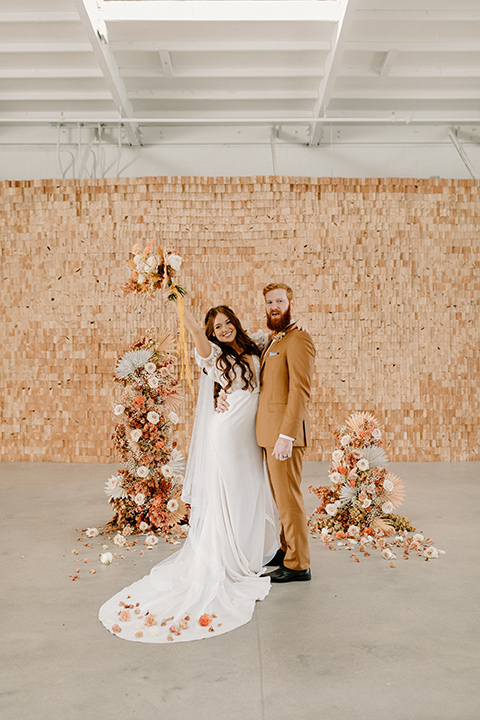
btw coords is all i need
(280, 322)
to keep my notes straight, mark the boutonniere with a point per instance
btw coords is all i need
(279, 336)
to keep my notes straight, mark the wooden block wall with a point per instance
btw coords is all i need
(385, 271)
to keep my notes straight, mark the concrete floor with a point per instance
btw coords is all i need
(361, 641)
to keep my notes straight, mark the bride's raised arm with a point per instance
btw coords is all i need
(198, 335)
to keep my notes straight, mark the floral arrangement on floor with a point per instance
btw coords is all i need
(359, 508)
(146, 492)
(154, 271)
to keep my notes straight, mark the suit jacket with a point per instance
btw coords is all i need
(285, 382)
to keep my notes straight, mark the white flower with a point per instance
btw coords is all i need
(150, 367)
(151, 262)
(331, 509)
(172, 505)
(91, 532)
(153, 382)
(388, 485)
(336, 477)
(178, 478)
(141, 278)
(173, 417)
(139, 498)
(143, 527)
(325, 531)
(175, 261)
(345, 439)
(430, 552)
(151, 540)
(357, 453)
(337, 455)
(119, 540)
(153, 417)
(387, 507)
(366, 503)
(387, 554)
(363, 464)
(166, 471)
(142, 471)
(136, 435)
(353, 530)
(118, 409)
(106, 558)
(377, 433)
(418, 538)
(370, 488)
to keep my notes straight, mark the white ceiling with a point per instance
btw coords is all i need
(293, 66)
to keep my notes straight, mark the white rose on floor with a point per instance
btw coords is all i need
(151, 540)
(106, 558)
(345, 439)
(418, 538)
(387, 554)
(353, 530)
(172, 505)
(143, 527)
(136, 435)
(331, 509)
(118, 409)
(173, 417)
(166, 471)
(430, 552)
(388, 485)
(153, 417)
(363, 464)
(119, 540)
(153, 382)
(139, 498)
(150, 367)
(337, 455)
(175, 261)
(387, 507)
(142, 471)
(91, 532)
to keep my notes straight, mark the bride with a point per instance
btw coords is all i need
(211, 585)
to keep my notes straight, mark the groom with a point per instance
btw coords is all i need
(283, 429)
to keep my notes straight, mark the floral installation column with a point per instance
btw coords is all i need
(146, 492)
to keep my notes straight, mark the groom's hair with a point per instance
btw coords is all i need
(278, 286)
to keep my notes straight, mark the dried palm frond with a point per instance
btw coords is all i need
(176, 509)
(375, 455)
(357, 420)
(165, 343)
(132, 361)
(173, 402)
(385, 527)
(397, 495)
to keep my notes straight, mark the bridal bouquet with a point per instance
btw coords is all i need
(146, 492)
(153, 272)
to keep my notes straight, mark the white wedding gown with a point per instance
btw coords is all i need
(215, 576)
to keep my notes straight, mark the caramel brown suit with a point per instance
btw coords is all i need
(285, 383)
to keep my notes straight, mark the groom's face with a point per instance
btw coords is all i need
(278, 308)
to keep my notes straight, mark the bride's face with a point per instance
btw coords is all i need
(224, 329)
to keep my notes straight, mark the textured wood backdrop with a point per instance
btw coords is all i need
(385, 271)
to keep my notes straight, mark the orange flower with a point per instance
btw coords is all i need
(139, 400)
(124, 615)
(116, 628)
(205, 620)
(342, 470)
(150, 620)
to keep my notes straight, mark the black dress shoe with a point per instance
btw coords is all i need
(278, 558)
(284, 574)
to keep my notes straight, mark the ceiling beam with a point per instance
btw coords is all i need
(224, 11)
(453, 135)
(221, 45)
(388, 62)
(461, 46)
(45, 48)
(96, 32)
(332, 65)
(38, 17)
(166, 63)
(457, 15)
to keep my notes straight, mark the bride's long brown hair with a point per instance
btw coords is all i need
(230, 357)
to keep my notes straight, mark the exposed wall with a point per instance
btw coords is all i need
(386, 273)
